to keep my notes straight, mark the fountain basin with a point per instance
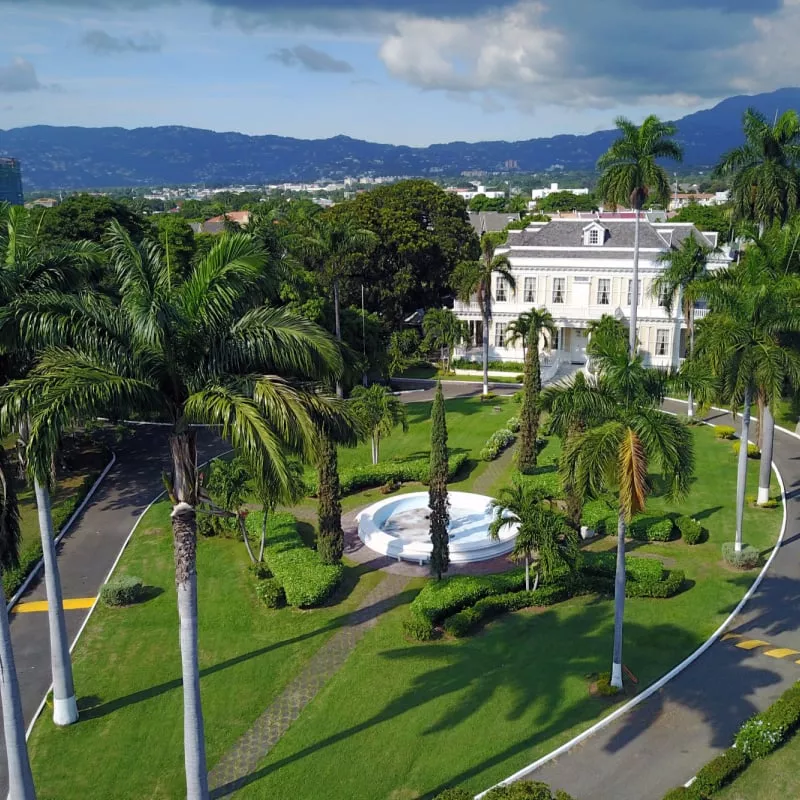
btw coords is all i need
(398, 527)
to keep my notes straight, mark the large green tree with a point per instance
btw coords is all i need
(541, 321)
(765, 182)
(631, 173)
(566, 201)
(437, 488)
(474, 278)
(617, 456)
(203, 350)
(422, 233)
(542, 535)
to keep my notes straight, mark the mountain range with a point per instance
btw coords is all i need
(73, 157)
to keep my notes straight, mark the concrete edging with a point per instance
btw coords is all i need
(64, 530)
(690, 659)
(85, 622)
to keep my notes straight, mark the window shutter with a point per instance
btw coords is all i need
(568, 292)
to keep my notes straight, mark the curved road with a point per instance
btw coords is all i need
(661, 743)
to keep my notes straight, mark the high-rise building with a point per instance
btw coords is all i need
(10, 181)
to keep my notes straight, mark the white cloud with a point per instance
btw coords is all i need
(19, 76)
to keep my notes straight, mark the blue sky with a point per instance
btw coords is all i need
(401, 71)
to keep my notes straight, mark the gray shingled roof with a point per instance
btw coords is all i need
(566, 233)
(491, 221)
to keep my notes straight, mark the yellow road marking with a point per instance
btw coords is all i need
(751, 644)
(781, 652)
(732, 636)
(41, 605)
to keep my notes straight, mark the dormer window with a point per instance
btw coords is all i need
(594, 235)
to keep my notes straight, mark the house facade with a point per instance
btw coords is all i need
(580, 269)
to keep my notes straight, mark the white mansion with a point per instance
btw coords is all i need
(580, 269)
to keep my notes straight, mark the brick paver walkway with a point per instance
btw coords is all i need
(238, 763)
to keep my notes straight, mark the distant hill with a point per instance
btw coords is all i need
(72, 157)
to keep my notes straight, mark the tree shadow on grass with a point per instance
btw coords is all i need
(492, 667)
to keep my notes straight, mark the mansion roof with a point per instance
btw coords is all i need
(616, 235)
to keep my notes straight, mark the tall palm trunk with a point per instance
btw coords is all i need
(245, 538)
(486, 313)
(20, 779)
(529, 414)
(65, 707)
(690, 326)
(767, 422)
(183, 449)
(263, 544)
(376, 444)
(741, 480)
(527, 574)
(619, 604)
(635, 289)
(338, 328)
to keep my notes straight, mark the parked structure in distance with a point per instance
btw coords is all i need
(579, 269)
(10, 181)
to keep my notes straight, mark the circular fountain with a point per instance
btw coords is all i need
(399, 527)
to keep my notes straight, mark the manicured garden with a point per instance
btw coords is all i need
(465, 709)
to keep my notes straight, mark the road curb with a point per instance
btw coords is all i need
(63, 532)
(675, 671)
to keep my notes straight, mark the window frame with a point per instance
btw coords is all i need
(603, 292)
(501, 332)
(630, 293)
(529, 292)
(501, 289)
(562, 292)
(662, 347)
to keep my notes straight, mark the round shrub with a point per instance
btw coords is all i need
(260, 571)
(526, 790)
(513, 425)
(758, 737)
(724, 432)
(271, 593)
(648, 530)
(691, 530)
(604, 687)
(454, 794)
(496, 443)
(747, 558)
(752, 450)
(122, 591)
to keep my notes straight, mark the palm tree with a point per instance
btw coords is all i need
(618, 454)
(200, 350)
(541, 320)
(332, 243)
(20, 779)
(765, 183)
(542, 535)
(228, 484)
(753, 306)
(684, 271)
(576, 405)
(475, 278)
(379, 411)
(443, 331)
(607, 336)
(30, 269)
(272, 493)
(631, 173)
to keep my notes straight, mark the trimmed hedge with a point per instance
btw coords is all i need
(526, 790)
(271, 593)
(495, 366)
(514, 425)
(760, 735)
(691, 530)
(467, 620)
(646, 577)
(637, 569)
(646, 529)
(747, 558)
(440, 599)
(724, 432)
(599, 516)
(752, 450)
(122, 591)
(30, 556)
(549, 483)
(496, 443)
(454, 794)
(296, 568)
(367, 477)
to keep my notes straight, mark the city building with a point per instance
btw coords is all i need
(10, 181)
(468, 194)
(579, 270)
(540, 194)
(681, 200)
(218, 224)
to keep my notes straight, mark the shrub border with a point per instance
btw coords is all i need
(691, 658)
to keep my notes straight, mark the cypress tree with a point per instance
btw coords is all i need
(330, 537)
(437, 488)
(529, 416)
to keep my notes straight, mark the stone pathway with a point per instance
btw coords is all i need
(243, 759)
(500, 466)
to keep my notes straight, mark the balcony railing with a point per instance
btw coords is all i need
(700, 313)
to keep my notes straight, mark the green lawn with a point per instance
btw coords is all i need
(776, 776)
(469, 711)
(432, 373)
